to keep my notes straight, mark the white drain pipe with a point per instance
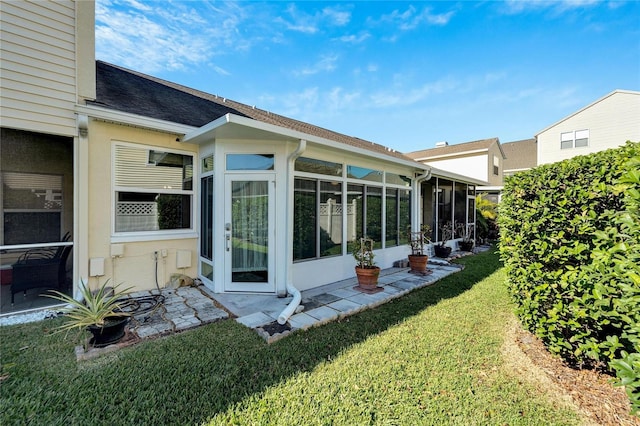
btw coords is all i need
(297, 297)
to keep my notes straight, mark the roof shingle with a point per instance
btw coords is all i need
(137, 93)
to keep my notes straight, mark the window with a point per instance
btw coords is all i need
(311, 165)
(250, 161)
(330, 209)
(153, 190)
(577, 139)
(394, 179)
(398, 216)
(496, 165)
(364, 173)
(582, 138)
(317, 219)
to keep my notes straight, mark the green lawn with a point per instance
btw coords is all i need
(431, 357)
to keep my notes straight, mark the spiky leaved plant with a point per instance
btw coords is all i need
(95, 308)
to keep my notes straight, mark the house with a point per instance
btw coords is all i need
(606, 123)
(482, 160)
(519, 156)
(146, 178)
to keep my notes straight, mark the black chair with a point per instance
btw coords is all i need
(40, 269)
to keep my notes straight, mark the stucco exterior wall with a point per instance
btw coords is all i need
(137, 266)
(611, 121)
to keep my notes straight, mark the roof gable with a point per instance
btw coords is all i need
(615, 92)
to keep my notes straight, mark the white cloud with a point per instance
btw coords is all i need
(310, 23)
(336, 17)
(412, 18)
(520, 6)
(326, 63)
(151, 37)
(355, 39)
(401, 96)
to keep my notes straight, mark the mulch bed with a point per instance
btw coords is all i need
(593, 393)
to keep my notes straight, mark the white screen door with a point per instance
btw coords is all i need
(249, 233)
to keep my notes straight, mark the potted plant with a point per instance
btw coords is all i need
(99, 311)
(366, 269)
(417, 240)
(466, 231)
(445, 234)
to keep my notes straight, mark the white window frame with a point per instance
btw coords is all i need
(572, 137)
(164, 234)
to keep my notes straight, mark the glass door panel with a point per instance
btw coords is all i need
(248, 234)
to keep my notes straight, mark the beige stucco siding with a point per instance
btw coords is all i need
(137, 266)
(611, 121)
(38, 68)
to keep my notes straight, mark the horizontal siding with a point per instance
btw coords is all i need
(14, 61)
(611, 122)
(38, 85)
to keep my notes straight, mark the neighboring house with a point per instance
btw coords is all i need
(519, 156)
(150, 178)
(606, 123)
(482, 160)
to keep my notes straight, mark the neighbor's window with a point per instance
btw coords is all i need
(577, 139)
(566, 140)
(582, 138)
(153, 189)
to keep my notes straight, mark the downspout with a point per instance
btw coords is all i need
(416, 199)
(297, 297)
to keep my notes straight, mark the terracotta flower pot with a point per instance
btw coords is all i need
(418, 262)
(368, 277)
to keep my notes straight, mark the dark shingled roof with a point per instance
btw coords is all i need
(520, 154)
(136, 93)
(460, 148)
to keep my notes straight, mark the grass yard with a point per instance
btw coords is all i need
(431, 357)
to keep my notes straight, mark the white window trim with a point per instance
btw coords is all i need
(574, 134)
(170, 234)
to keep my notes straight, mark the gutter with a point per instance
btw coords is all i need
(416, 198)
(291, 289)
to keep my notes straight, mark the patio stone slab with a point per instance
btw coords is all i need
(343, 293)
(345, 306)
(302, 321)
(325, 298)
(323, 313)
(255, 320)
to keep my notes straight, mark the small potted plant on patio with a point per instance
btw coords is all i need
(445, 234)
(99, 311)
(417, 240)
(466, 231)
(366, 269)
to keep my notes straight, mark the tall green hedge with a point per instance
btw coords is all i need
(570, 240)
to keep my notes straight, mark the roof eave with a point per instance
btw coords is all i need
(208, 131)
(134, 120)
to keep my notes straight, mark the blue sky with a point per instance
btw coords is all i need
(402, 74)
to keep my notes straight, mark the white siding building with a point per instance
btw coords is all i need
(606, 123)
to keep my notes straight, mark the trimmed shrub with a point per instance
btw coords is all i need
(570, 240)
